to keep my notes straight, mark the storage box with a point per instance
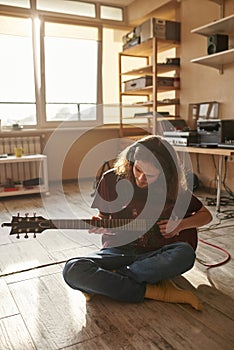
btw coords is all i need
(161, 29)
(165, 81)
(139, 83)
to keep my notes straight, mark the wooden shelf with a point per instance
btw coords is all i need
(167, 88)
(221, 26)
(146, 48)
(165, 68)
(142, 104)
(148, 70)
(216, 60)
(144, 92)
(149, 90)
(162, 104)
(150, 104)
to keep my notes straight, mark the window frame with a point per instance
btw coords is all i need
(41, 92)
(39, 65)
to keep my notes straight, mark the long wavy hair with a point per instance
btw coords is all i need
(157, 150)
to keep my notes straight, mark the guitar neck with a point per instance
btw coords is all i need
(120, 224)
(37, 224)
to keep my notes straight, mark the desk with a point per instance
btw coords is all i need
(221, 153)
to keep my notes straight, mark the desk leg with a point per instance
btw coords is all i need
(219, 185)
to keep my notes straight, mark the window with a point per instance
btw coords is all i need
(71, 56)
(112, 13)
(17, 90)
(51, 65)
(19, 3)
(72, 7)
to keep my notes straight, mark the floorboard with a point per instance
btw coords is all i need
(39, 311)
(7, 306)
(14, 335)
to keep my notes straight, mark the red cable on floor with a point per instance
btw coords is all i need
(228, 256)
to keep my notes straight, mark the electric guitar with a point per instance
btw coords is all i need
(138, 227)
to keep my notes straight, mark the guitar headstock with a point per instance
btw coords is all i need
(28, 224)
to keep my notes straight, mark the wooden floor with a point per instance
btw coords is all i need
(39, 311)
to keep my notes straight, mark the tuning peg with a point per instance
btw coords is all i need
(26, 235)
(26, 215)
(18, 236)
(18, 214)
(34, 214)
(34, 235)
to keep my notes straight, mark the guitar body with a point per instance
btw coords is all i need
(158, 241)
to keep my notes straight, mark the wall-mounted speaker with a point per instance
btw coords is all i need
(217, 43)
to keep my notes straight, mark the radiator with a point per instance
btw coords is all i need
(17, 172)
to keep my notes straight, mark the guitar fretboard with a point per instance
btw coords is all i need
(120, 224)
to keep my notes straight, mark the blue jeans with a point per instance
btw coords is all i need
(133, 270)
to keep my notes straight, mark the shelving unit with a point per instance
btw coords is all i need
(149, 51)
(39, 158)
(220, 59)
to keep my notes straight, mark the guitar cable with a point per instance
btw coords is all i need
(224, 261)
(227, 215)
